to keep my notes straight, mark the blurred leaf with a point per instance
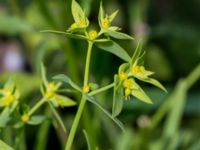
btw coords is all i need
(12, 25)
(87, 139)
(118, 98)
(141, 95)
(115, 49)
(93, 101)
(117, 35)
(66, 79)
(35, 120)
(58, 118)
(154, 82)
(64, 101)
(136, 53)
(4, 146)
(77, 11)
(71, 35)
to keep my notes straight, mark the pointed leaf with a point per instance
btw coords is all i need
(115, 49)
(101, 14)
(118, 35)
(35, 120)
(71, 35)
(87, 139)
(64, 101)
(137, 53)
(113, 15)
(93, 101)
(43, 72)
(141, 95)
(4, 146)
(77, 11)
(66, 79)
(154, 82)
(117, 98)
(57, 116)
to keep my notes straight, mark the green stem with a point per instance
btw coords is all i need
(40, 103)
(83, 101)
(102, 89)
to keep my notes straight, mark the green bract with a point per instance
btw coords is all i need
(9, 94)
(81, 21)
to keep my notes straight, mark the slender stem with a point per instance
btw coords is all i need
(83, 101)
(40, 103)
(87, 65)
(102, 89)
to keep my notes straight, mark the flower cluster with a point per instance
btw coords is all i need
(81, 24)
(9, 94)
(132, 71)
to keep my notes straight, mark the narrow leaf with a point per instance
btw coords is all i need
(58, 118)
(71, 35)
(113, 15)
(64, 101)
(77, 11)
(87, 139)
(35, 120)
(43, 72)
(137, 53)
(118, 35)
(101, 13)
(117, 98)
(66, 79)
(93, 101)
(115, 49)
(154, 82)
(141, 95)
(4, 146)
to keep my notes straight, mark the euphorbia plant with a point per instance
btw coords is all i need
(124, 82)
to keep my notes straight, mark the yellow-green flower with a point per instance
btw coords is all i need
(25, 118)
(86, 88)
(93, 34)
(9, 94)
(51, 89)
(140, 72)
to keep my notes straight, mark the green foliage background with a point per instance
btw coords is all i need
(170, 30)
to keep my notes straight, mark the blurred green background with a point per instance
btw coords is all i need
(170, 31)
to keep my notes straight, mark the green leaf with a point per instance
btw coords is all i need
(13, 25)
(4, 117)
(115, 49)
(9, 85)
(117, 35)
(71, 35)
(66, 79)
(93, 101)
(154, 82)
(35, 120)
(77, 11)
(117, 98)
(43, 72)
(4, 146)
(57, 116)
(64, 101)
(123, 67)
(141, 95)
(137, 53)
(87, 139)
(101, 13)
(113, 15)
